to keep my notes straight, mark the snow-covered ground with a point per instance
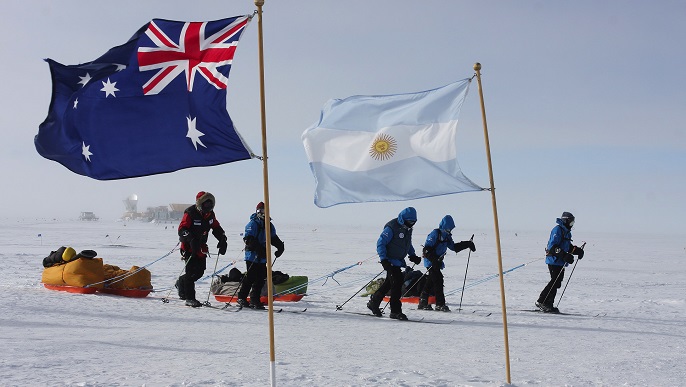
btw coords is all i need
(627, 294)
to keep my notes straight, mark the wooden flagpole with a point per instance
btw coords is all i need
(477, 68)
(267, 218)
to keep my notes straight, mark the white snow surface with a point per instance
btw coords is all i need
(627, 296)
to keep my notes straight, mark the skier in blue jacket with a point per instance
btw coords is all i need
(437, 244)
(559, 253)
(393, 245)
(255, 239)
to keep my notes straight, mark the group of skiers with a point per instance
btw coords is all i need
(194, 228)
(393, 246)
(395, 243)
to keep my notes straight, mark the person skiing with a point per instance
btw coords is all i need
(393, 245)
(559, 253)
(193, 233)
(255, 239)
(437, 243)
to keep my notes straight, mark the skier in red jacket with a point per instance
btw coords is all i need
(193, 232)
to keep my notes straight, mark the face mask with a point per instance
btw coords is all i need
(410, 223)
(260, 213)
(207, 206)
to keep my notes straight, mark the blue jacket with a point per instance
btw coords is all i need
(255, 228)
(440, 239)
(560, 237)
(395, 241)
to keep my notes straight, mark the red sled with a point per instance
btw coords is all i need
(133, 293)
(263, 299)
(71, 289)
(411, 300)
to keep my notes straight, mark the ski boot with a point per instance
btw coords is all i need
(193, 303)
(243, 303)
(373, 305)
(257, 305)
(181, 295)
(424, 303)
(546, 308)
(442, 308)
(398, 316)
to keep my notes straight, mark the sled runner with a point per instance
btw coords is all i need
(263, 299)
(71, 289)
(411, 300)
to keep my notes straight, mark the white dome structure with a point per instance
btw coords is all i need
(131, 203)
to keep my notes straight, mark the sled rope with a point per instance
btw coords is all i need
(121, 277)
(325, 277)
(490, 277)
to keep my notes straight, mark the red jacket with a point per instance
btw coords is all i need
(194, 229)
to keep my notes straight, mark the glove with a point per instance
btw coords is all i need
(569, 258)
(415, 259)
(184, 236)
(578, 251)
(387, 265)
(471, 245)
(222, 245)
(278, 243)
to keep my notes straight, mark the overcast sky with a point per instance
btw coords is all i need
(584, 101)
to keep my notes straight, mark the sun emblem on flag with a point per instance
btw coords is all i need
(383, 147)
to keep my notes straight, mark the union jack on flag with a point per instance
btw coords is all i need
(141, 108)
(194, 53)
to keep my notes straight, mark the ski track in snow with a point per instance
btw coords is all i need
(634, 283)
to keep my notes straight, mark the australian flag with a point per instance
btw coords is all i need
(155, 104)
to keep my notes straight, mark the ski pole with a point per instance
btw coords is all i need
(570, 277)
(339, 307)
(207, 302)
(465, 274)
(240, 284)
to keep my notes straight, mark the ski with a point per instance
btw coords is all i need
(464, 312)
(279, 310)
(563, 313)
(421, 320)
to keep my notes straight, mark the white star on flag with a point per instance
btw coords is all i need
(194, 134)
(86, 152)
(84, 80)
(109, 88)
(76, 102)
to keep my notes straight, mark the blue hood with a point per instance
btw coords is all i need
(407, 214)
(447, 223)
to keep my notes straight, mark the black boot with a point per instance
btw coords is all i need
(181, 295)
(373, 305)
(424, 302)
(398, 316)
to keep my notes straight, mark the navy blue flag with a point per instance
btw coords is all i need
(155, 104)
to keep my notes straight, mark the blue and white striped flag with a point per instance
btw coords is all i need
(388, 148)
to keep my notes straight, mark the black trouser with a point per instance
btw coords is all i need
(547, 296)
(253, 282)
(195, 268)
(435, 283)
(393, 282)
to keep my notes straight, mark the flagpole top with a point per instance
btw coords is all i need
(477, 66)
(259, 3)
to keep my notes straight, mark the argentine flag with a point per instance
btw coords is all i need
(388, 147)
